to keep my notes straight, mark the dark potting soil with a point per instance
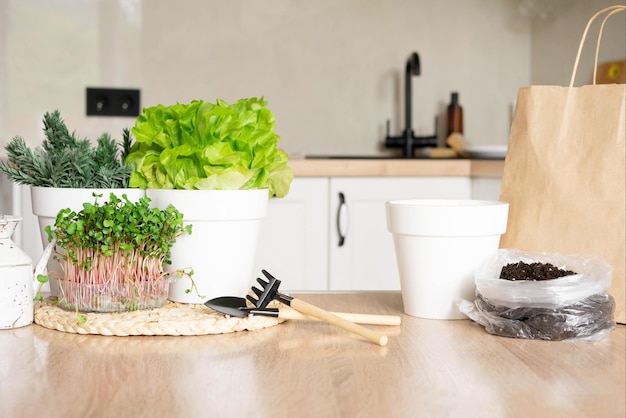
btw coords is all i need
(577, 320)
(582, 318)
(532, 271)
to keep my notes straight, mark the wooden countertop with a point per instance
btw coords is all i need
(430, 368)
(396, 167)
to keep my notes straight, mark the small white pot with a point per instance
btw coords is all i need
(439, 244)
(48, 201)
(222, 246)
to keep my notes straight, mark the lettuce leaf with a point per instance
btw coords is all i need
(209, 146)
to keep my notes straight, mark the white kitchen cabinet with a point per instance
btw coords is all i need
(300, 237)
(365, 260)
(293, 240)
(486, 188)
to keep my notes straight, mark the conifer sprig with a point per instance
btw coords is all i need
(64, 160)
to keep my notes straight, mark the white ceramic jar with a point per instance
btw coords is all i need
(16, 279)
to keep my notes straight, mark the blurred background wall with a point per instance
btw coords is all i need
(332, 71)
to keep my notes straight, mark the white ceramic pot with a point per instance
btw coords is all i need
(439, 245)
(222, 246)
(16, 279)
(48, 201)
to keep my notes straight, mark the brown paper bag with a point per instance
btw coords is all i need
(564, 173)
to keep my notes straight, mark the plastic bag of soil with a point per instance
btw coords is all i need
(573, 306)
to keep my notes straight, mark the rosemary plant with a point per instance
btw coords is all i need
(119, 246)
(67, 161)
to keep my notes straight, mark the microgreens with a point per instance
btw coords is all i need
(41, 280)
(117, 242)
(118, 227)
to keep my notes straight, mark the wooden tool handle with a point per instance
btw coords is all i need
(333, 319)
(357, 318)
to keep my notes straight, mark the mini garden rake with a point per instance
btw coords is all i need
(269, 291)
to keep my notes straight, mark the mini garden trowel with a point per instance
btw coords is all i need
(237, 307)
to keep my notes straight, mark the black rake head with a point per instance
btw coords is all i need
(267, 294)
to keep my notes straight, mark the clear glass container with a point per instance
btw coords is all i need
(113, 296)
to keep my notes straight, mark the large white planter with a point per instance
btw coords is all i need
(48, 201)
(222, 246)
(439, 246)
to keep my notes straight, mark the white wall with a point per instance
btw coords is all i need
(554, 42)
(332, 71)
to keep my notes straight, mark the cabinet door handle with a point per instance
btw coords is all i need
(342, 220)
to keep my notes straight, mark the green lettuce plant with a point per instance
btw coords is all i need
(209, 146)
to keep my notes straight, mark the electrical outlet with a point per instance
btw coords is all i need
(112, 102)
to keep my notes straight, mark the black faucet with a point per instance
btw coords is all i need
(408, 141)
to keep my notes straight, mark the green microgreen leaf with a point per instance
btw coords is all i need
(129, 232)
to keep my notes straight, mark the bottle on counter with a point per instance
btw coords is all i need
(455, 115)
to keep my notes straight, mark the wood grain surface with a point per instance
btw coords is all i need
(430, 368)
(380, 167)
(396, 167)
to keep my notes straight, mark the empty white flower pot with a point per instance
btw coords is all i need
(439, 244)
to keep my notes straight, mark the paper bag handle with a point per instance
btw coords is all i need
(613, 10)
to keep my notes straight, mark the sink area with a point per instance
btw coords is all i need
(408, 142)
(478, 152)
(424, 156)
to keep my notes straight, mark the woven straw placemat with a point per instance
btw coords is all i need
(171, 319)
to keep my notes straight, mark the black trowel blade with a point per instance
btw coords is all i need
(228, 305)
